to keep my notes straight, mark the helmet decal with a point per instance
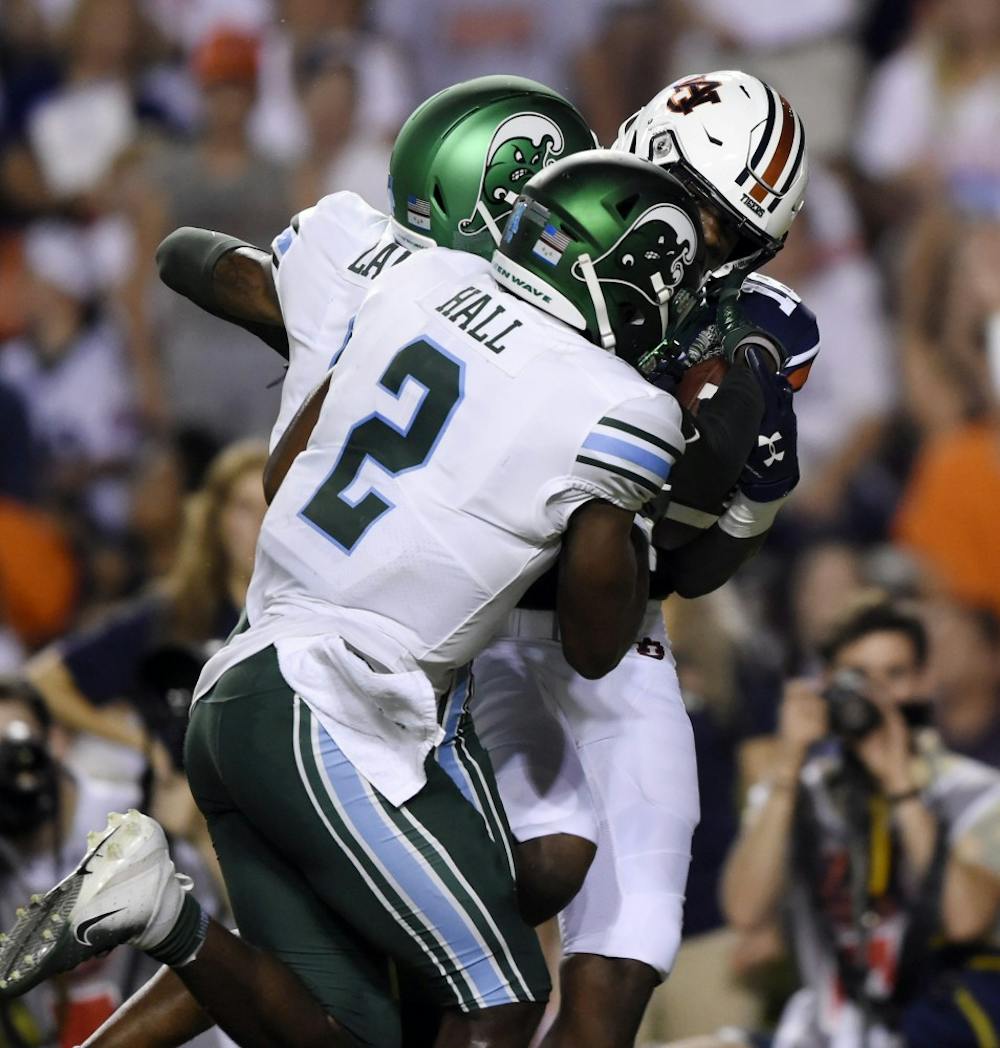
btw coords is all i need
(651, 254)
(521, 146)
(778, 156)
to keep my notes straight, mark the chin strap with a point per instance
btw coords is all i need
(491, 225)
(663, 296)
(600, 306)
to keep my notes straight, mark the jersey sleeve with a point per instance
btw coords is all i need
(314, 249)
(626, 456)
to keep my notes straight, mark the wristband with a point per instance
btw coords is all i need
(745, 519)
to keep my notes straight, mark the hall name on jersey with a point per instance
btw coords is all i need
(466, 310)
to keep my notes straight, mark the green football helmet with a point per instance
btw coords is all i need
(461, 159)
(609, 244)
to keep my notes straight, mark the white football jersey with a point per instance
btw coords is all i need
(323, 265)
(461, 430)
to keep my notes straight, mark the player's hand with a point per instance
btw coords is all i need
(738, 335)
(772, 469)
(803, 718)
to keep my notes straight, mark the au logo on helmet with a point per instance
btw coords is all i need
(651, 255)
(521, 146)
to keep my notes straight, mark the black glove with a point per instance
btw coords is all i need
(739, 335)
(772, 468)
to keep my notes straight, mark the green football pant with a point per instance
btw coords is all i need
(329, 876)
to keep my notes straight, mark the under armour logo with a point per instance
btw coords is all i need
(771, 443)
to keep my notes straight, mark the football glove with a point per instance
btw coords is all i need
(738, 334)
(772, 468)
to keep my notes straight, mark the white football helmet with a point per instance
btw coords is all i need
(736, 144)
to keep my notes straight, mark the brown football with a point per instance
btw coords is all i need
(700, 382)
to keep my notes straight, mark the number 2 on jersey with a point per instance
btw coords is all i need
(330, 510)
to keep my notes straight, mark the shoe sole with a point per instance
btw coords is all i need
(42, 943)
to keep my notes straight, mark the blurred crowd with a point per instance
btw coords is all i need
(130, 421)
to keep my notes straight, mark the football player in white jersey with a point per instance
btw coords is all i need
(468, 436)
(739, 148)
(619, 943)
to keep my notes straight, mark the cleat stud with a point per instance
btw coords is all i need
(20, 912)
(36, 899)
(47, 934)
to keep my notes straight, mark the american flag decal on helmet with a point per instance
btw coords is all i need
(418, 212)
(551, 244)
(778, 157)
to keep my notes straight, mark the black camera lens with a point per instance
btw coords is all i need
(851, 713)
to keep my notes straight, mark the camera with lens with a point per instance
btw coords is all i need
(28, 782)
(852, 715)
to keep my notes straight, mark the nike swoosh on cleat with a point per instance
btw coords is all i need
(84, 926)
(694, 439)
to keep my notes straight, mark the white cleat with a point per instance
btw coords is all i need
(124, 891)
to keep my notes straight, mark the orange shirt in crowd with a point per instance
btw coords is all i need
(950, 513)
(38, 575)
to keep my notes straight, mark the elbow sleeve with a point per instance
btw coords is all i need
(185, 259)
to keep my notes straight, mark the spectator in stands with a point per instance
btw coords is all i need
(809, 51)
(880, 845)
(217, 182)
(310, 28)
(932, 116)
(452, 40)
(123, 683)
(70, 132)
(965, 673)
(197, 603)
(949, 511)
(71, 370)
(343, 154)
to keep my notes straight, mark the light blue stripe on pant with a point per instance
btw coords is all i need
(447, 753)
(408, 865)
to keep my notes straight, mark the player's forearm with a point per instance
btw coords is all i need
(294, 440)
(755, 872)
(603, 591)
(706, 563)
(226, 277)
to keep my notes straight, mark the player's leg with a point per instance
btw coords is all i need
(622, 931)
(161, 1014)
(422, 883)
(539, 776)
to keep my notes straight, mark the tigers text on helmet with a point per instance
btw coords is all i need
(461, 159)
(608, 244)
(737, 145)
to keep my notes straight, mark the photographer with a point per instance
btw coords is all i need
(883, 848)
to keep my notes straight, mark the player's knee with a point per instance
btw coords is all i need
(550, 871)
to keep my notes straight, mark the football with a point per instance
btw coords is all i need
(700, 382)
